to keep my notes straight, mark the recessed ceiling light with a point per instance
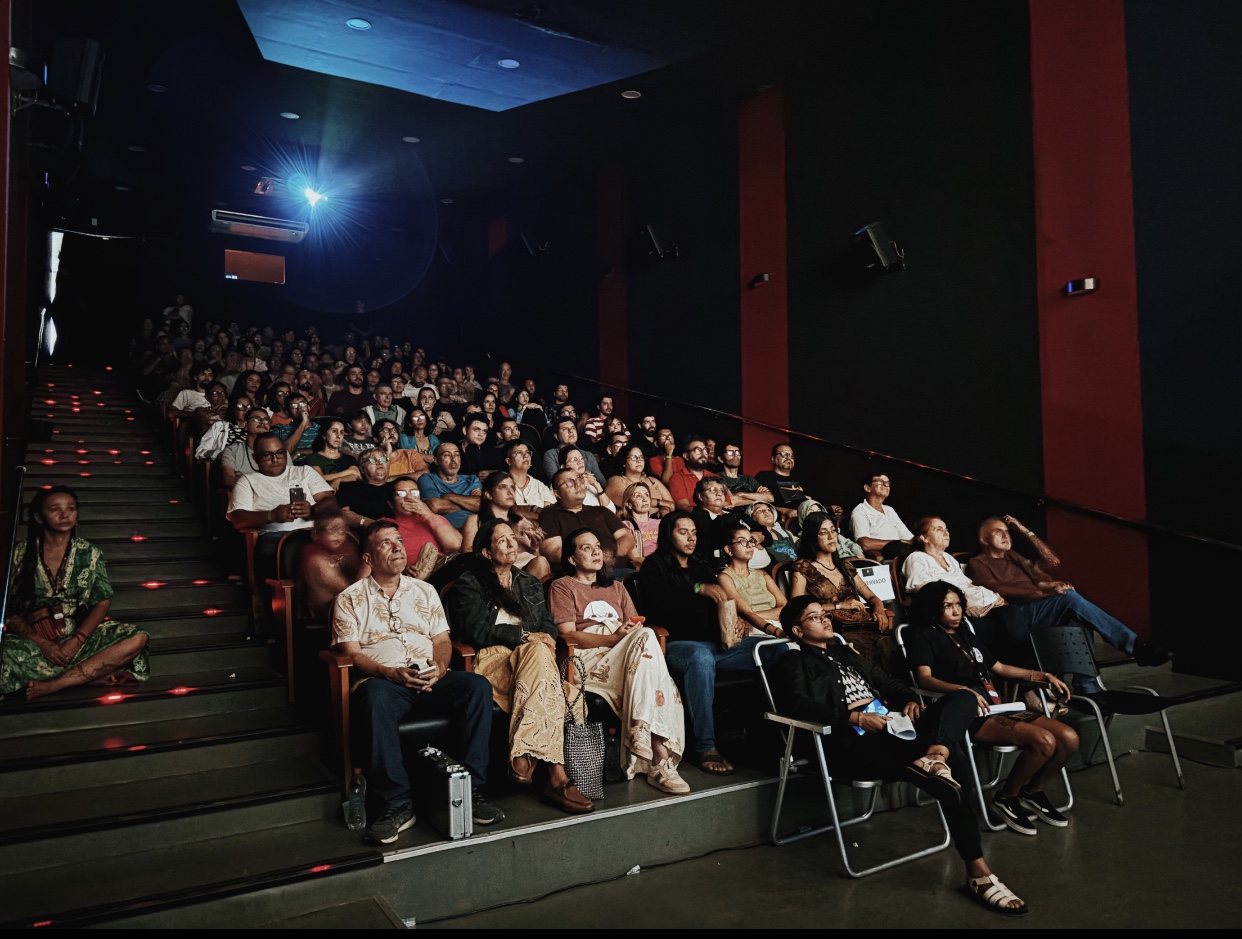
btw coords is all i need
(446, 201)
(289, 115)
(358, 23)
(134, 148)
(631, 95)
(508, 63)
(121, 188)
(516, 160)
(248, 168)
(410, 139)
(158, 89)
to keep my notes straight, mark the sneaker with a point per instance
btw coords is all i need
(1150, 654)
(664, 776)
(1042, 808)
(484, 812)
(386, 828)
(1012, 814)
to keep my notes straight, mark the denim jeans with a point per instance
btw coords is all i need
(696, 665)
(382, 705)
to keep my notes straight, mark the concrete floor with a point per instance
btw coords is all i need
(1169, 858)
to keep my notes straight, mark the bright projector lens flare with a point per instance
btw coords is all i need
(314, 198)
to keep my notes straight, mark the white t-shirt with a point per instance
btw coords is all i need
(882, 526)
(189, 400)
(258, 493)
(534, 494)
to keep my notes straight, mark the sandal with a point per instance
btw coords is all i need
(932, 769)
(990, 892)
(713, 763)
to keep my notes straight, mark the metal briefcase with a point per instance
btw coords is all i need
(443, 788)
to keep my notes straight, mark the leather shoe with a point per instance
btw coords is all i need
(522, 770)
(568, 798)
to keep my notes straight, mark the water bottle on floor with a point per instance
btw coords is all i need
(356, 807)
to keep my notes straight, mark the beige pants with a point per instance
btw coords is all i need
(525, 683)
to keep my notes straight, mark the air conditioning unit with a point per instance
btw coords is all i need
(257, 226)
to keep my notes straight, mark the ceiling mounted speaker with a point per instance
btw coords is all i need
(75, 73)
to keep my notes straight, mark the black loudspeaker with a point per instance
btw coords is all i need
(876, 252)
(74, 75)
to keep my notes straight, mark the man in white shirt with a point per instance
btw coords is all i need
(395, 631)
(877, 528)
(190, 400)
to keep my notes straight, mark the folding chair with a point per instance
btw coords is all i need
(976, 746)
(1067, 651)
(818, 732)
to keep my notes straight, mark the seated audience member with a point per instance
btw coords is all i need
(396, 381)
(500, 610)
(357, 439)
(569, 513)
(530, 494)
(932, 562)
(216, 411)
(276, 396)
(776, 540)
(680, 594)
(384, 408)
(395, 631)
(499, 501)
(1035, 601)
(759, 601)
(633, 464)
(877, 528)
(253, 385)
(326, 566)
(387, 437)
(490, 402)
(744, 489)
(573, 459)
(646, 436)
(237, 460)
(267, 500)
(445, 491)
(307, 382)
(505, 388)
(684, 475)
(414, 436)
(787, 490)
(622, 661)
(443, 417)
(428, 538)
(328, 460)
(327, 384)
(527, 411)
(353, 395)
(567, 436)
(593, 427)
(635, 514)
(946, 656)
(821, 573)
(845, 547)
(365, 500)
(479, 455)
(301, 433)
(195, 396)
(611, 461)
(829, 683)
(709, 514)
(222, 433)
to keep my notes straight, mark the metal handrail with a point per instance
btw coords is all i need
(1141, 525)
(12, 542)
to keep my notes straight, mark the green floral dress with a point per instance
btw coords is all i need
(85, 584)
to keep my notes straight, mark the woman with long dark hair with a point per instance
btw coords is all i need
(59, 635)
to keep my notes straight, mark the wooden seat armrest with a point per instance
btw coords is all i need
(282, 615)
(339, 665)
(662, 635)
(467, 653)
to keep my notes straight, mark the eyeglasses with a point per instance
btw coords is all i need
(816, 618)
(261, 419)
(271, 456)
(732, 452)
(376, 460)
(402, 493)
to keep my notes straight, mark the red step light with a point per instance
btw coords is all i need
(145, 452)
(173, 501)
(137, 748)
(48, 462)
(199, 583)
(150, 462)
(84, 462)
(114, 452)
(83, 474)
(112, 698)
(78, 451)
(131, 537)
(212, 611)
(107, 368)
(42, 922)
(152, 584)
(181, 689)
(96, 392)
(49, 401)
(320, 868)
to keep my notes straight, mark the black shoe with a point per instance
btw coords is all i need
(484, 812)
(1042, 808)
(1150, 654)
(386, 828)
(1012, 814)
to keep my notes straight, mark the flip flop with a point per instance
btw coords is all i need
(705, 762)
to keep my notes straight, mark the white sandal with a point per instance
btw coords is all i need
(990, 892)
(664, 776)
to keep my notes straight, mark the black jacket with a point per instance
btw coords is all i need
(472, 614)
(808, 685)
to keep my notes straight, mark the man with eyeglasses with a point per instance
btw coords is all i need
(238, 460)
(569, 513)
(787, 491)
(744, 489)
(878, 529)
(264, 500)
(394, 630)
(685, 476)
(447, 493)
(530, 493)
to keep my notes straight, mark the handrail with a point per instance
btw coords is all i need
(1136, 524)
(12, 542)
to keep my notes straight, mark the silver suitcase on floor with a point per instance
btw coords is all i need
(442, 790)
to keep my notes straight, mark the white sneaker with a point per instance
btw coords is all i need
(664, 776)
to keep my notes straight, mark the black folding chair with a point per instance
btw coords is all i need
(1068, 651)
(818, 732)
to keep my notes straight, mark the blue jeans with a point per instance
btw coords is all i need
(383, 704)
(696, 663)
